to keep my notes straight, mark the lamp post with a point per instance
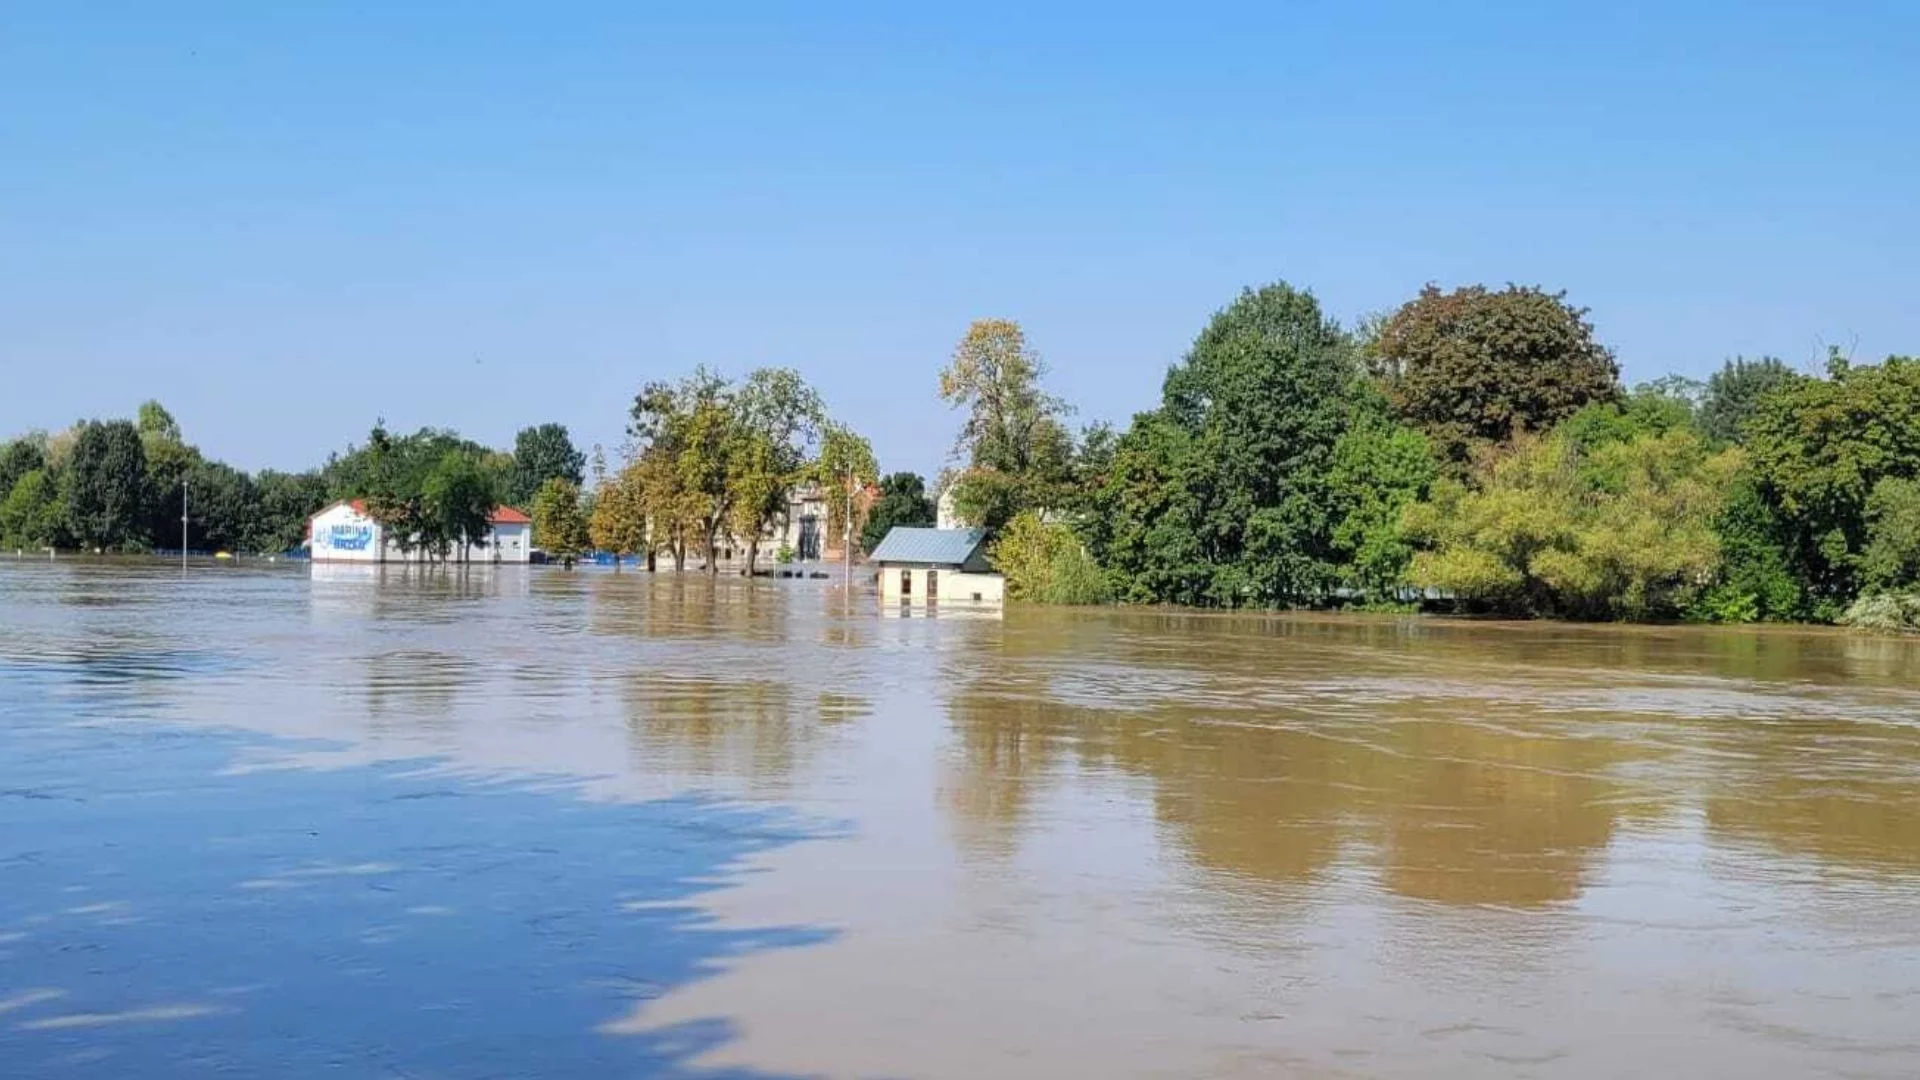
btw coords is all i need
(183, 523)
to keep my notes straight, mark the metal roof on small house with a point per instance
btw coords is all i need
(945, 547)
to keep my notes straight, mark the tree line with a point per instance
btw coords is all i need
(118, 486)
(1474, 450)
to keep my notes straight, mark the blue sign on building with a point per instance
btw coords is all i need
(350, 537)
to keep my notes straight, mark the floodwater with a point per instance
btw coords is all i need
(337, 822)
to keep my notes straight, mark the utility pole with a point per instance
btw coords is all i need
(846, 541)
(183, 523)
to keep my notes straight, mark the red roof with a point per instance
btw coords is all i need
(507, 515)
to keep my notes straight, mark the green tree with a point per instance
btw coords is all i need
(1625, 529)
(618, 522)
(903, 501)
(1045, 563)
(1223, 497)
(1819, 448)
(1379, 469)
(457, 501)
(221, 506)
(105, 487)
(844, 469)
(1756, 582)
(282, 504)
(1733, 394)
(778, 421)
(1892, 556)
(1477, 366)
(20, 457)
(1014, 444)
(31, 515)
(541, 454)
(559, 526)
(156, 423)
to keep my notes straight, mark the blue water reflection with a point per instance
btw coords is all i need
(163, 916)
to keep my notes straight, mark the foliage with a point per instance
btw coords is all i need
(903, 501)
(1014, 443)
(1892, 556)
(1620, 530)
(559, 527)
(1820, 447)
(1045, 563)
(31, 515)
(1379, 469)
(156, 423)
(104, 487)
(19, 457)
(1885, 612)
(618, 522)
(1733, 394)
(540, 454)
(456, 500)
(221, 505)
(1222, 496)
(846, 467)
(1755, 582)
(1474, 366)
(282, 504)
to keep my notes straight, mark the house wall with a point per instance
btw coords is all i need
(343, 534)
(954, 586)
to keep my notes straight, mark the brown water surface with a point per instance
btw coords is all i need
(1121, 843)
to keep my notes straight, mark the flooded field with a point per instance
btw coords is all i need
(339, 822)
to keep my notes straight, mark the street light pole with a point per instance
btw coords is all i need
(183, 523)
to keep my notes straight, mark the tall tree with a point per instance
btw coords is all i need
(1477, 366)
(1222, 497)
(1014, 444)
(1733, 394)
(903, 501)
(1379, 469)
(457, 501)
(1892, 556)
(618, 523)
(1819, 448)
(155, 422)
(283, 503)
(541, 454)
(31, 515)
(779, 418)
(559, 528)
(844, 469)
(20, 457)
(221, 506)
(105, 486)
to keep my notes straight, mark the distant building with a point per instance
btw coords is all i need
(936, 566)
(803, 529)
(946, 516)
(345, 532)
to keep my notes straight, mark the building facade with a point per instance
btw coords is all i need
(345, 532)
(934, 567)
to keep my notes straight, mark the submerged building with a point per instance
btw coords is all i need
(345, 532)
(936, 566)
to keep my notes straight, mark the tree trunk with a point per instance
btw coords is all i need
(652, 553)
(713, 548)
(753, 555)
(679, 555)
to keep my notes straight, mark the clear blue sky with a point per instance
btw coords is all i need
(284, 220)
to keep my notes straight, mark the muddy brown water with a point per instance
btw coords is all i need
(1109, 843)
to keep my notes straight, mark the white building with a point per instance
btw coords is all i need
(344, 532)
(935, 567)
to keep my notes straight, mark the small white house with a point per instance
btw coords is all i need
(936, 566)
(345, 532)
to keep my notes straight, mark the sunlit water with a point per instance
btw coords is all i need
(340, 822)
